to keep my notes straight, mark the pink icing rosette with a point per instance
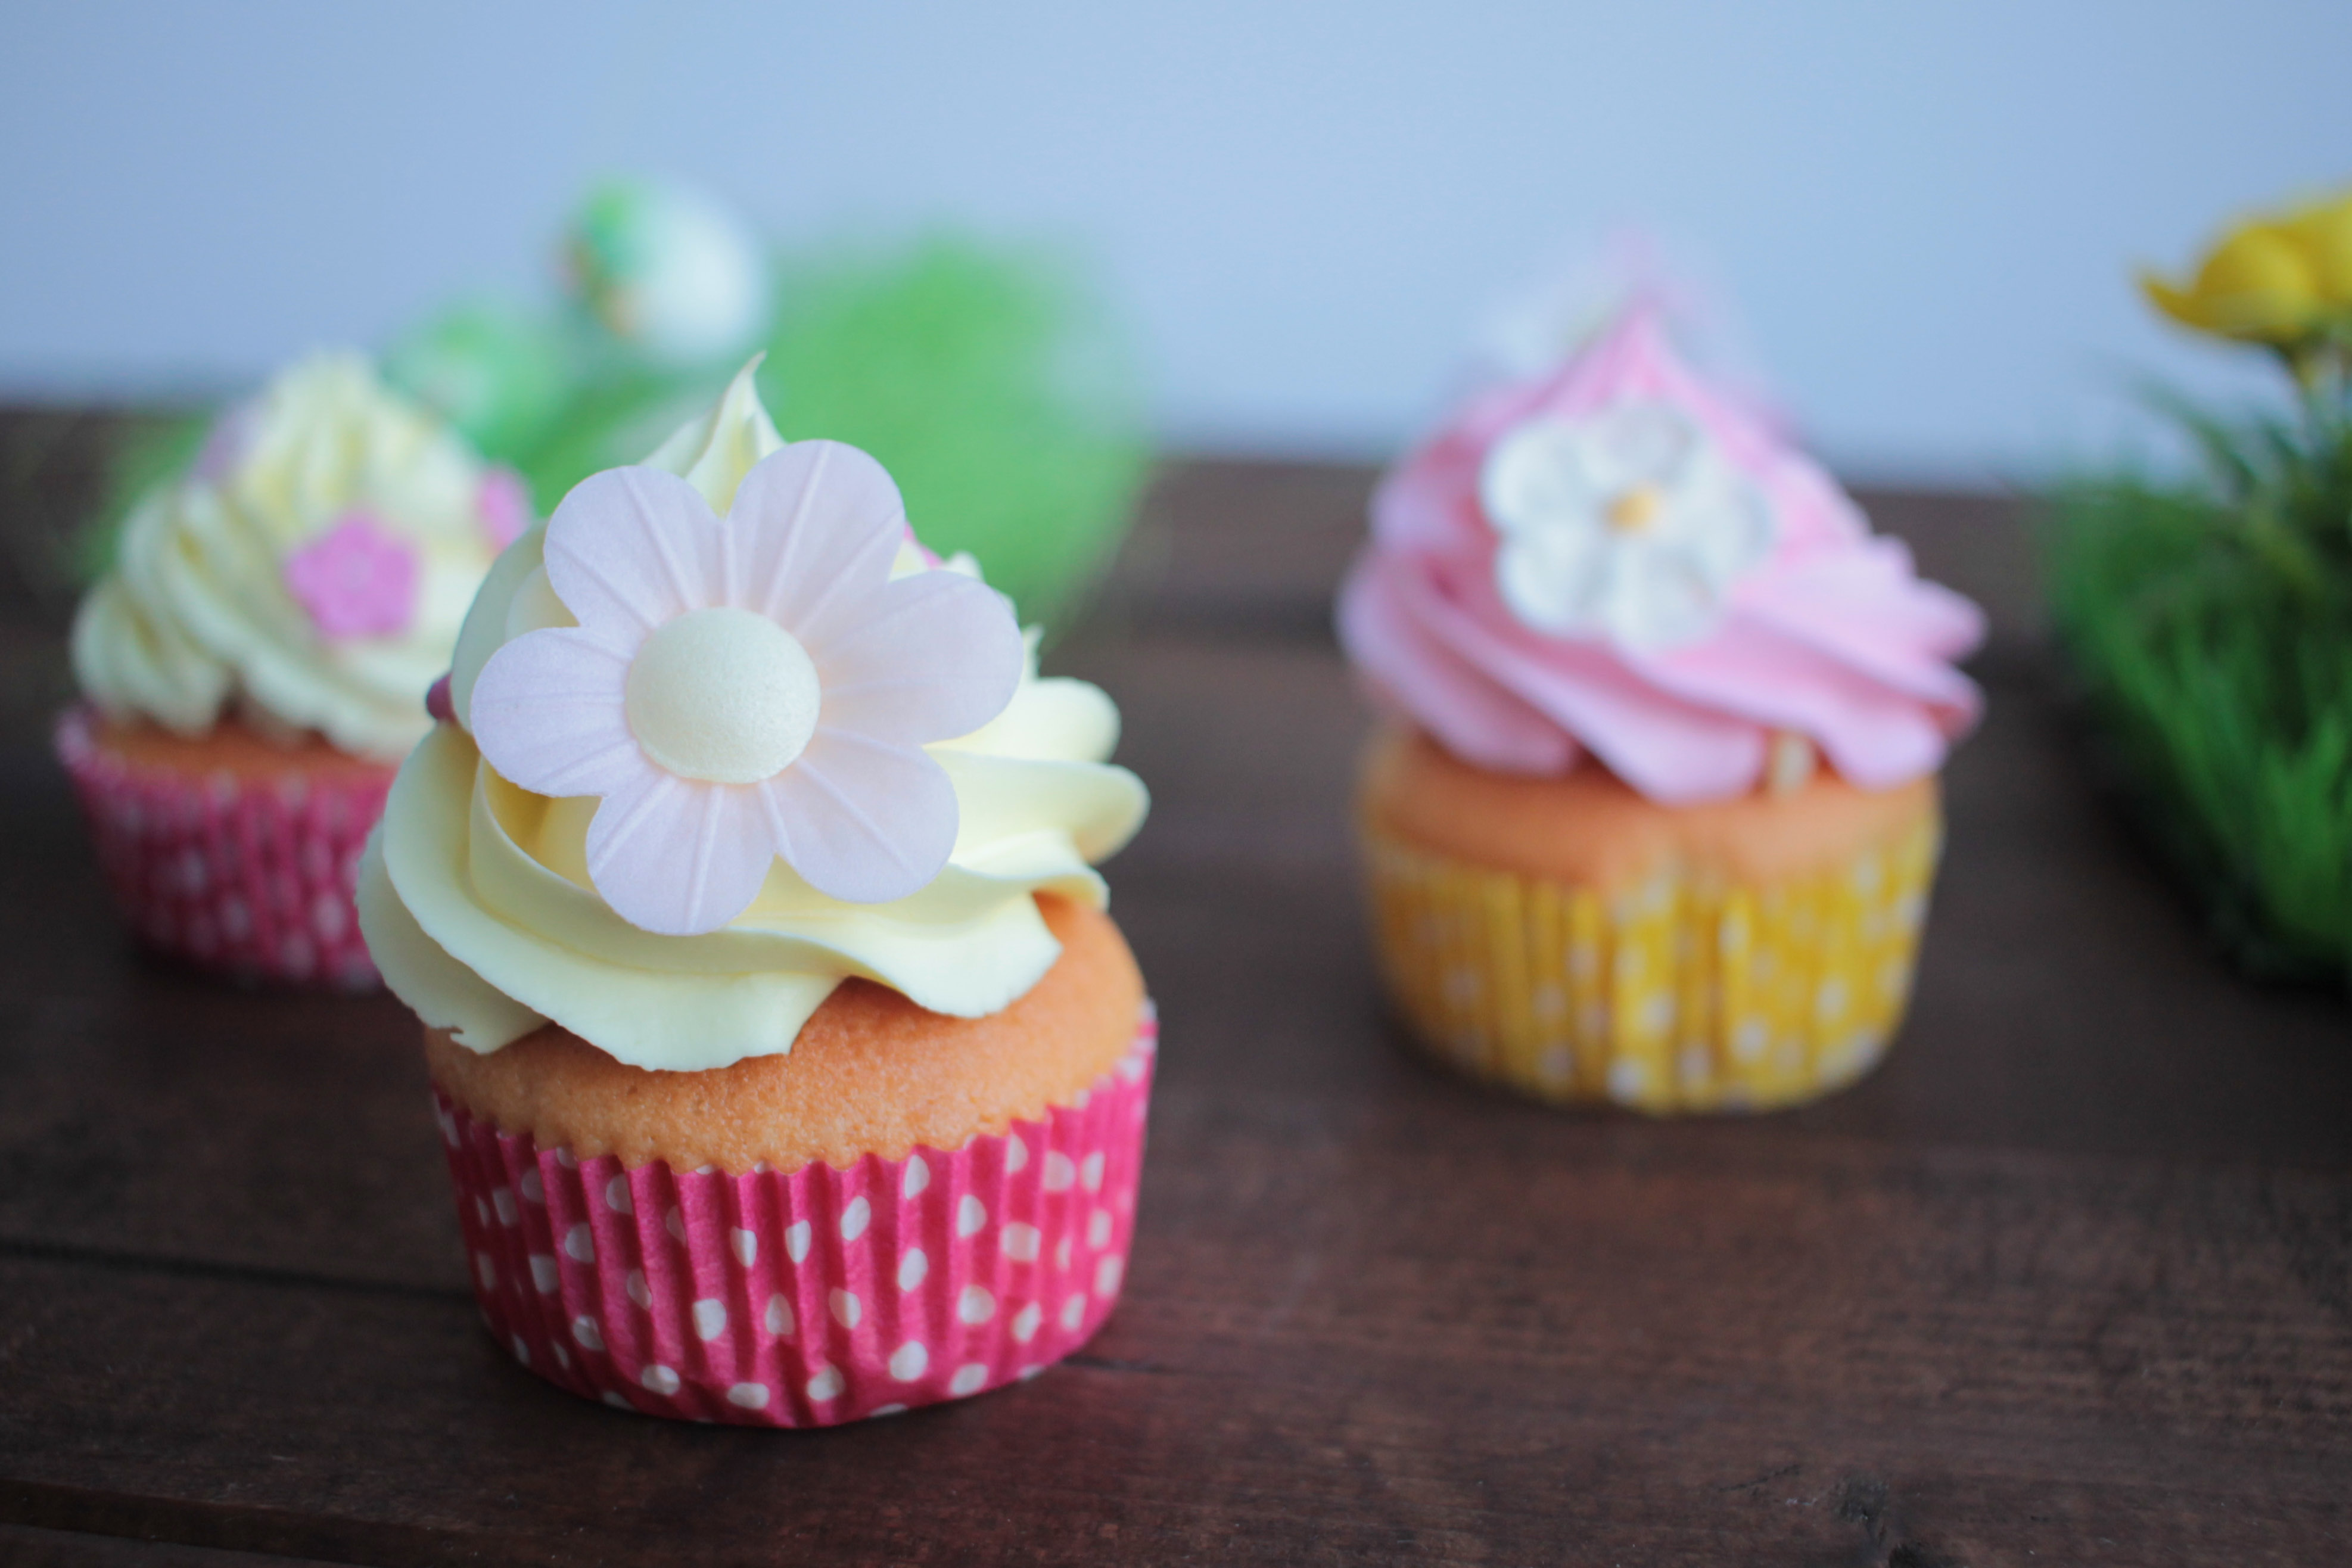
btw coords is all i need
(1615, 559)
(813, 1297)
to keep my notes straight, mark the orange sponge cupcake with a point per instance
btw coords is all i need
(1654, 818)
(255, 665)
(790, 1070)
(870, 1072)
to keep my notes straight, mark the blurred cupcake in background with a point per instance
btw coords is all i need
(255, 660)
(1654, 814)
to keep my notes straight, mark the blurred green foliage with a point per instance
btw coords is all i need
(987, 379)
(990, 387)
(2211, 623)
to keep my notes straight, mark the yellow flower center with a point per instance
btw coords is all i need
(1637, 508)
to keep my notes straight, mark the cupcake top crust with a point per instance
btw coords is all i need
(719, 736)
(1615, 559)
(308, 573)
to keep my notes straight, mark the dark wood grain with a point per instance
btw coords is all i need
(29, 1546)
(2068, 1280)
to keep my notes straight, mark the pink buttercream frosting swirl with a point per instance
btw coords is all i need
(1805, 622)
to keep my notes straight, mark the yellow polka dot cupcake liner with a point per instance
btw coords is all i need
(1675, 994)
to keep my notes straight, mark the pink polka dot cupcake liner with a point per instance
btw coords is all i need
(817, 1297)
(241, 877)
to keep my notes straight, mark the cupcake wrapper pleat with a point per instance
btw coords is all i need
(1674, 994)
(242, 877)
(811, 1297)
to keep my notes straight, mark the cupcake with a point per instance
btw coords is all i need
(1651, 814)
(789, 1067)
(254, 665)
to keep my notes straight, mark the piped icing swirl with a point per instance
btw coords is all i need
(713, 933)
(1614, 560)
(310, 572)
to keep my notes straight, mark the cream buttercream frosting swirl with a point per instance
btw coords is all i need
(310, 572)
(479, 908)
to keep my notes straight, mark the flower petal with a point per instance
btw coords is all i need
(676, 857)
(861, 820)
(548, 712)
(631, 548)
(934, 657)
(812, 531)
(1718, 521)
(1538, 477)
(1658, 597)
(1641, 444)
(1558, 579)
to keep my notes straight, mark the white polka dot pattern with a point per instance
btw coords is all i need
(247, 878)
(1679, 992)
(811, 1297)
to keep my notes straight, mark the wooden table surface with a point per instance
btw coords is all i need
(2069, 1281)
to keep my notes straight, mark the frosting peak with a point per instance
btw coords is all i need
(1613, 558)
(681, 881)
(314, 566)
(714, 451)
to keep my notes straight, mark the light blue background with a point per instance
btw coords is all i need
(1926, 213)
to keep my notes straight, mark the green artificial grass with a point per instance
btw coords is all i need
(2211, 624)
(988, 386)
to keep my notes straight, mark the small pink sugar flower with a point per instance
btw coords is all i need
(356, 580)
(750, 690)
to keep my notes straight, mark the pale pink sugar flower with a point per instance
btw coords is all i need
(743, 690)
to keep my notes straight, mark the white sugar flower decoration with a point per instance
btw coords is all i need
(750, 690)
(1629, 523)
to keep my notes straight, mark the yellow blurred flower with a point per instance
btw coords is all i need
(2324, 232)
(2279, 279)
